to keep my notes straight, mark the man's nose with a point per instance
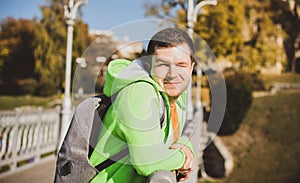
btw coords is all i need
(172, 71)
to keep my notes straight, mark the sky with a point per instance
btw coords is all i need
(123, 18)
(98, 14)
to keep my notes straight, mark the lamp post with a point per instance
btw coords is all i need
(199, 128)
(191, 20)
(193, 11)
(70, 14)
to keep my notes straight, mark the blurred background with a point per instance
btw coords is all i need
(256, 44)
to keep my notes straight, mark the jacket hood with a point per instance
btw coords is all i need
(122, 72)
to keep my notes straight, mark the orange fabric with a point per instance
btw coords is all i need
(175, 124)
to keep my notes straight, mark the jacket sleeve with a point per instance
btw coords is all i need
(185, 141)
(137, 109)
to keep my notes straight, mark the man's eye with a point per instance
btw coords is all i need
(182, 65)
(162, 65)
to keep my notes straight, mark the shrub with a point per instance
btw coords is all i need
(27, 86)
(239, 88)
(46, 88)
(10, 88)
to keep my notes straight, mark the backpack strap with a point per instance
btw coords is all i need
(113, 159)
(104, 104)
(163, 119)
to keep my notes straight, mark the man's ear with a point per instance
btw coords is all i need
(147, 62)
(147, 66)
(192, 67)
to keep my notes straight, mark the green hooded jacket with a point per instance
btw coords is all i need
(134, 120)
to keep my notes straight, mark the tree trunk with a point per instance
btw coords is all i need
(289, 45)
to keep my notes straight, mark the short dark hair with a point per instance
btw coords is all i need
(169, 37)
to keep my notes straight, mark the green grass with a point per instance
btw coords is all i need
(266, 148)
(10, 102)
(282, 78)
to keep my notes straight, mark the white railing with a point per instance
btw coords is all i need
(27, 137)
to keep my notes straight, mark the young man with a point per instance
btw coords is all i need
(146, 90)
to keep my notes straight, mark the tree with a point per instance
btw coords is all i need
(165, 8)
(262, 38)
(287, 14)
(219, 25)
(50, 46)
(236, 30)
(16, 56)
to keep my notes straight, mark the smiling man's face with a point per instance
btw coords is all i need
(172, 68)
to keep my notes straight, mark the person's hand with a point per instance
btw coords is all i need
(188, 166)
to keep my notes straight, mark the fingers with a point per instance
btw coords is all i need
(176, 146)
(182, 176)
(188, 167)
(189, 164)
(184, 171)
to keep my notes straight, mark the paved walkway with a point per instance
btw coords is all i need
(41, 173)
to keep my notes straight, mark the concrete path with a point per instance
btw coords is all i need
(41, 173)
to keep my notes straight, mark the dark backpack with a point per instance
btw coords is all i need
(73, 163)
